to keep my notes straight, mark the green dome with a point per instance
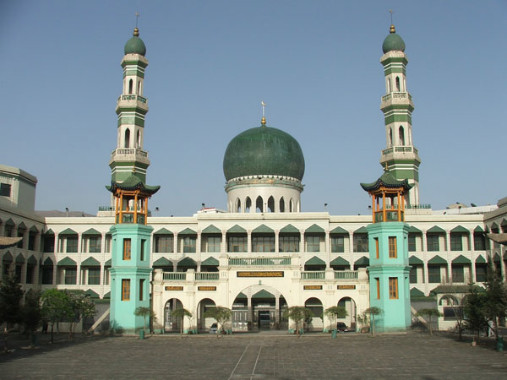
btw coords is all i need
(135, 45)
(264, 151)
(393, 42)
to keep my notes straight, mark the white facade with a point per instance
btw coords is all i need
(78, 249)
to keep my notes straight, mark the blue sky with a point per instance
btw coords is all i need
(315, 64)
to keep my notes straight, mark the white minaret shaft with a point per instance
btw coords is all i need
(400, 157)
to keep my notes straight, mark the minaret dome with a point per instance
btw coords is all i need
(393, 42)
(135, 45)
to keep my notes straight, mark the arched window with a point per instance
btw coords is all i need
(131, 84)
(282, 205)
(138, 139)
(238, 205)
(390, 137)
(271, 204)
(388, 85)
(402, 136)
(398, 84)
(127, 139)
(139, 88)
(248, 204)
(259, 205)
(291, 206)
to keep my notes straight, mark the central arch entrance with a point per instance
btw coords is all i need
(259, 308)
(350, 306)
(204, 323)
(172, 324)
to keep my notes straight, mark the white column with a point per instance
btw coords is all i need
(223, 243)
(328, 250)
(198, 251)
(175, 243)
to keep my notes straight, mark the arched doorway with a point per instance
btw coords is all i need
(350, 306)
(264, 310)
(172, 324)
(240, 319)
(204, 323)
(259, 307)
(315, 306)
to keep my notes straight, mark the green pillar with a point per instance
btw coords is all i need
(389, 275)
(130, 275)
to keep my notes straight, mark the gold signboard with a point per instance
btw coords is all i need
(260, 274)
(312, 287)
(346, 287)
(206, 288)
(173, 288)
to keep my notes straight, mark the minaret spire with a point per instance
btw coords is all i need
(263, 120)
(400, 157)
(129, 157)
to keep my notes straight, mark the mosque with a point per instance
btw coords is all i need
(263, 255)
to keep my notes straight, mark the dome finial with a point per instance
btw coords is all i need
(392, 29)
(136, 29)
(263, 120)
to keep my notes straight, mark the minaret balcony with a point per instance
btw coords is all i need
(396, 98)
(132, 101)
(129, 155)
(400, 152)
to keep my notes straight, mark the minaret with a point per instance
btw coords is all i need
(129, 156)
(388, 248)
(130, 267)
(400, 156)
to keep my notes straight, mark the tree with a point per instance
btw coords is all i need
(10, 304)
(144, 312)
(220, 314)
(82, 307)
(181, 313)
(473, 309)
(335, 312)
(31, 313)
(373, 311)
(495, 302)
(298, 314)
(56, 307)
(363, 320)
(429, 313)
(460, 319)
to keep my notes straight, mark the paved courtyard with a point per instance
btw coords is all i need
(256, 356)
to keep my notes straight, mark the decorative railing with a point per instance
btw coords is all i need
(346, 275)
(129, 152)
(259, 261)
(391, 216)
(199, 276)
(396, 95)
(133, 97)
(420, 206)
(313, 275)
(400, 149)
(206, 276)
(175, 276)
